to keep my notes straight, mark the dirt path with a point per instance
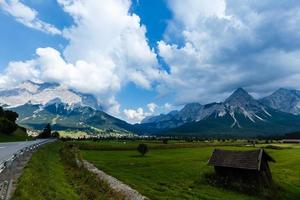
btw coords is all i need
(114, 183)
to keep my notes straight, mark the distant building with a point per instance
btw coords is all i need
(247, 166)
(32, 133)
(291, 141)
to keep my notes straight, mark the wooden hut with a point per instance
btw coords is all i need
(247, 166)
(291, 141)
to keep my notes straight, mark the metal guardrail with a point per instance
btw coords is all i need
(7, 162)
(5, 187)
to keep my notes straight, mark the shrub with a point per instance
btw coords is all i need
(276, 147)
(55, 134)
(142, 149)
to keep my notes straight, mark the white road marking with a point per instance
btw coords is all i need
(2, 147)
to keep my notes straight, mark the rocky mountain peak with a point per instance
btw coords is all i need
(240, 98)
(284, 100)
(191, 107)
(43, 94)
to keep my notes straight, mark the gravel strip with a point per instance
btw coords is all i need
(114, 183)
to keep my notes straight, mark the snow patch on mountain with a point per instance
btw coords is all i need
(43, 94)
(284, 100)
(239, 104)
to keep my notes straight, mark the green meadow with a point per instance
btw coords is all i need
(52, 174)
(177, 170)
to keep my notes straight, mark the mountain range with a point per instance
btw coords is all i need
(40, 103)
(239, 114)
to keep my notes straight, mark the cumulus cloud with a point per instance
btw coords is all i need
(107, 34)
(107, 49)
(221, 45)
(168, 107)
(137, 115)
(210, 47)
(27, 16)
(152, 106)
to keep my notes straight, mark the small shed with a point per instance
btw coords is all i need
(247, 166)
(291, 141)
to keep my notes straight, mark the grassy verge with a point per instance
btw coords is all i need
(18, 135)
(179, 173)
(53, 174)
(86, 184)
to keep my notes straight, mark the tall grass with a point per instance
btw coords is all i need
(54, 173)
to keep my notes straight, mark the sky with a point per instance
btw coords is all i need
(145, 57)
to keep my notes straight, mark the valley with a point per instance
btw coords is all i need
(239, 115)
(178, 145)
(149, 100)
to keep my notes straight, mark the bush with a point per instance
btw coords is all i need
(55, 134)
(276, 147)
(142, 149)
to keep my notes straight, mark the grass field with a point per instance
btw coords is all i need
(49, 175)
(174, 171)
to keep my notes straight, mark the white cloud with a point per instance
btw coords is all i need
(136, 116)
(49, 66)
(111, 37)
(221, 45)
(152, 106)
(189, 12)
(27, 16)
(107, 49)
(168, 107)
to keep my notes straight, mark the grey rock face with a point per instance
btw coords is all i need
(240, 103)
(284, 100)
(45, 93)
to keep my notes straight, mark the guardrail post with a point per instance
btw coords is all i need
(7, 168)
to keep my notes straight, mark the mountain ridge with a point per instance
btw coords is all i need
(42, 93)
(64, 108)
(240, 112)
(284, 100)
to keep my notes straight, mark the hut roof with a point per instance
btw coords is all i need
(239, 159)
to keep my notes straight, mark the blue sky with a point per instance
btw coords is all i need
(143, 57)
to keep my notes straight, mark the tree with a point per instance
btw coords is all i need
(46, 133)
(11, 116)
(55, 134)
(1, 112)
(142, 149)
(6, 126)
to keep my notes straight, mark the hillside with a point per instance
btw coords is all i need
(66, 117)
(9, 130)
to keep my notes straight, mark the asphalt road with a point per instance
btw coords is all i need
(7, 150)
